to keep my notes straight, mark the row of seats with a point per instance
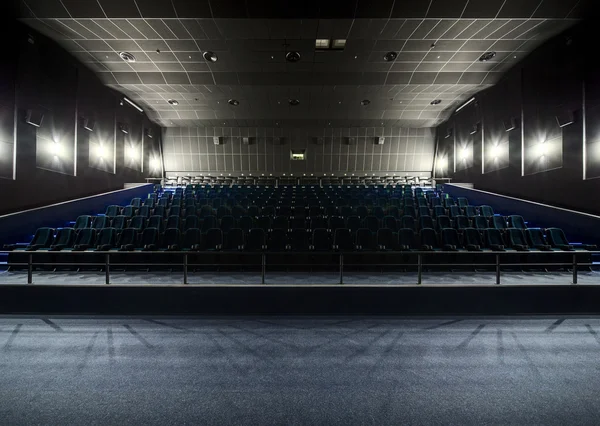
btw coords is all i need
(267, 223)
(331, 210)
(320, 239)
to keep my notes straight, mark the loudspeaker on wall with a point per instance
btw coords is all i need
(564, 118)
(34, 117)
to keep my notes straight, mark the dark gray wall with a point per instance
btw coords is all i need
(60, 160)
(538, 160)
(191, 150)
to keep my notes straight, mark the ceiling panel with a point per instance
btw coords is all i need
(438, 45)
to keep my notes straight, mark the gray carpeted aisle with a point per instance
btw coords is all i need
(292, 371)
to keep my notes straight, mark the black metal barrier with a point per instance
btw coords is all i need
(421, 260)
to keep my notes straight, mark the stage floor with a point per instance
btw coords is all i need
(300, 278)
(299, 370)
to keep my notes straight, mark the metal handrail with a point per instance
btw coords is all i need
(421, 255)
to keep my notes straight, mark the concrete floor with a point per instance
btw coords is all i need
(304, 278)
(299, 371)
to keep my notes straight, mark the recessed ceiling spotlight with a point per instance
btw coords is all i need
(158, 51)
(432, 45)
(272, 57)
(173, 102)
(127, 57)
(436, 102)
(293, 102)
(292, 56)
(365, 102)
(210, 56)
(487, 56)
(390, 56)
(355, 56)
(233, 102)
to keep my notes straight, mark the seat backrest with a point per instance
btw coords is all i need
(321, 239)
(191, 222)
(191, 237)
(393, 211)
(255, 239)
(378, 212)
(336, 222)
(428, 237)
(299, 239)
(136, 202)
(408, 222)
(535, 237)
(480, 222)
(264, 223)
(470, 211)
(100, 222)
(462, 222)
(86, 237)
(424, 211)
(155, 222)
(486, 211)
(389, 222)
(410, 211)
(112, 211)
(253, 211)
(246, 223)
(443, 222)
(343, 239)
(364, 239)
(426, 222)
(171, 237)
(517, 221)
(556, 237)
(450, 237)
(371, 223)
(472, 237)
(213, 239)
(137, 222)
(353, 223)
(462, 202)
(82, 222)
(278, 240)
(516, 237)
(119, 222)
(387, 238)
(107, 237)
(64, 237)
(497, 222)
(149, 236)
(227, 223)
(454, 211)
(493, 237)
(439, 211)
(172, 222)
(150, 202)
(362, 211)
(208, 222)
(128, 211)
(234, 239)
(144, 211)
(280, 222)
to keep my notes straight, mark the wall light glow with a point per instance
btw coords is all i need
(155, 164)
(442, 163)
(101, 151)
(464, 154)
(56, 149)
(495, 151)
(131, 152)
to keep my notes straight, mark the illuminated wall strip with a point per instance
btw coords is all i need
(76, 126)
(470, 101)
(143, 139)
(522, 130)
(482, 145)
(115, 144)
(16, 117)
(583, 110)
(130, 102)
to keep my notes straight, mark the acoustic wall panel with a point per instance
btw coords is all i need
(404, 150)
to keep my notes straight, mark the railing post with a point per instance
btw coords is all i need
(419, 268)
(185, 269)
(263, 267)
(107, 268)
(574, 268)
(497, 269)
(30, 269)
(341, 268)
